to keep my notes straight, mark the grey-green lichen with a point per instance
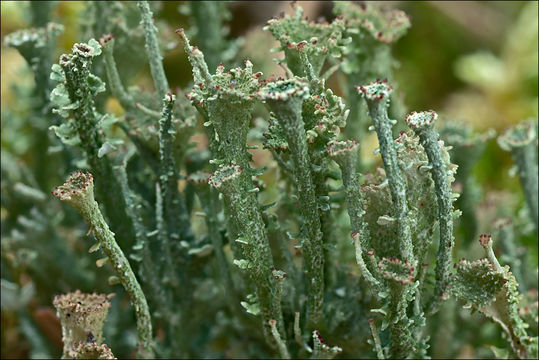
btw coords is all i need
(78, 191)
(377, 96)
(285, 99)
(242, 225)
(73, 98)
(318, 40)
(423, 125)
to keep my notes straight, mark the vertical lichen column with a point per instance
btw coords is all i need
(345, 155)
(152, 49)
(226, 100)
(82, 317)
(399, 273)
(78, 191)
(285, 100)
(377, 96)
(423, 125)
(73, 98)
(521, 141)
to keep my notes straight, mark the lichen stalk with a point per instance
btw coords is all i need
(78, 191)
(74, 97)
(285, 99)
(423, 125)
(283, 350)
(377, 96)
(345, 154)
(115, 82)
(376, 339)
(245, 214)
(152, 50)
(173, 206)
(226, 99)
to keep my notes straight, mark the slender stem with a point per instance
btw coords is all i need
(127, 278)
(78, 191)
(152, 50)
(174, 208)
(171, 279)
(149, 112)
(115, 83)
(486, 242)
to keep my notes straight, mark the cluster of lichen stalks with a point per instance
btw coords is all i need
(396, 214)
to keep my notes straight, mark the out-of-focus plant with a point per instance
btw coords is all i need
(503, 87)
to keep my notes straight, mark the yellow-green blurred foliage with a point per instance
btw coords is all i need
(502, 88)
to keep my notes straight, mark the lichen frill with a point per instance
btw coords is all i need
(376, 90)
(381, 23)
(77, 190)
(317, 40)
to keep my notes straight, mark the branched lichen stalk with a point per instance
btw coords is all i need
(423, 125)
(285, 99)
(377, 96)
(152, 50)
(78, 191)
